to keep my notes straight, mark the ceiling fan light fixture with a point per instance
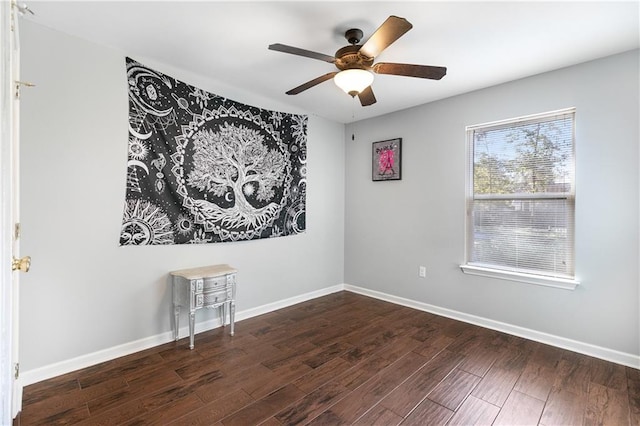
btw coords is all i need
(353, 81)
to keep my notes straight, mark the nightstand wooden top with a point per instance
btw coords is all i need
(204, 272)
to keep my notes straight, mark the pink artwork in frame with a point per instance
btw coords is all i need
(386, 160)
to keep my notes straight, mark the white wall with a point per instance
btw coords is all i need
(84, 292)
(393, 227)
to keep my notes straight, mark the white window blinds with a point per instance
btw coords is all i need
(520, 214)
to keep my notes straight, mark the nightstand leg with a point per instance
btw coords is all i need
(232, 315)
(223, 314)
(176, 321)
(192, 326)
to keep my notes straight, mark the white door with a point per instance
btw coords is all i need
(10, 262)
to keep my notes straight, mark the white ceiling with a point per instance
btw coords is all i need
(481, 43)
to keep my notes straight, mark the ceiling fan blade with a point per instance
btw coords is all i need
(409, 70)
(302, 52)
(309, 84)
(390, 30)
(367, 97)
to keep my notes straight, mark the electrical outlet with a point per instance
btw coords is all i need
(422, 272)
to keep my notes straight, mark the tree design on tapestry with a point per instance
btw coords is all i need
(234, 161)
(203, 168)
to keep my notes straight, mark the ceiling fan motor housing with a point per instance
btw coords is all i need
(349, 58)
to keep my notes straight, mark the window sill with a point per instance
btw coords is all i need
(564, 283)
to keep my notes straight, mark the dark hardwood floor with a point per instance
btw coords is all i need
(343, 359)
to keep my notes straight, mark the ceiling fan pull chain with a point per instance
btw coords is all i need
(353, 110)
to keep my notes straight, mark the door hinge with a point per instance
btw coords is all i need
(22, 9)
(22, 83)
(16, 373)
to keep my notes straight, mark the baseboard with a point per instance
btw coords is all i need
(64, 367)
(43, 373)
(617, 357)
(270, 307)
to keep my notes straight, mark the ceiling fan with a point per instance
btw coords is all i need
(355, 61)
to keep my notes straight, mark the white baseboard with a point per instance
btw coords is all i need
(270, 307)
(617, 357)
(57, 369)
(43, 373)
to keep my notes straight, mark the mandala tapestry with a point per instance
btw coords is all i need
(203, 169)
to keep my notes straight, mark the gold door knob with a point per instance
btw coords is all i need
(23, 264)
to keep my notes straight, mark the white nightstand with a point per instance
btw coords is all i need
(204, 287)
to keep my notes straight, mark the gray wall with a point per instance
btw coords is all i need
(393, 227)
(84, 293)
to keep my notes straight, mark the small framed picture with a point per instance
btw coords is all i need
(386, 161)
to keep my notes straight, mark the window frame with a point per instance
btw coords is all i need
(506, 273)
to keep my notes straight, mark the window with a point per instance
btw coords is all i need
(520, 199)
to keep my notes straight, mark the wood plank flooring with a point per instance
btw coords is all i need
(338, 360)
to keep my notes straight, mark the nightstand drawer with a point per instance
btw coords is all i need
(214, 283)
(211, 298)
(216, 297)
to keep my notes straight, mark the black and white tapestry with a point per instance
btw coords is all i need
(203, 169)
